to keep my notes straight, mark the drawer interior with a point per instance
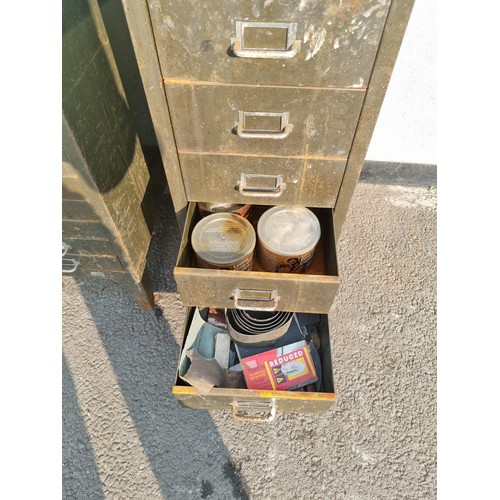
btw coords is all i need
(312, 291)
(324, 262)
(286, 401)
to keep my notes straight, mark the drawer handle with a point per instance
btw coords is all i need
(247, 406)
(283, 133)
(292, 45)
(261, 185)
(69, 265)
(65, 248)
(255, 300)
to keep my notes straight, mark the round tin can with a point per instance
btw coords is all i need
(216, 208)
(224, 241)
(287, 238)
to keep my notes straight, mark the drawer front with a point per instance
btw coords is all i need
(253, 120)
(74, 264)
(85, 230)
(247, 401)
(303, 43)
(90, 247)
(78, 210)
(261, 180)
(313, 291)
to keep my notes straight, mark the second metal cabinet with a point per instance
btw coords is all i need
(268, 103)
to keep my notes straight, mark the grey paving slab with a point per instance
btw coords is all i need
(125, 436)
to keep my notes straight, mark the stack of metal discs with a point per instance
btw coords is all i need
(257, 328)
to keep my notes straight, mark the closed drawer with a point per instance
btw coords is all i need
(312, 291)
(261, 180)
(253, 120)
(85, 230)
(89, 247)
(302, 43)
(245, 400)
(73, 264)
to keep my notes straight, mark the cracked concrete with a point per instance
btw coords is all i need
(126, 437)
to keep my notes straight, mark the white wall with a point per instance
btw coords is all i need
(406, 128)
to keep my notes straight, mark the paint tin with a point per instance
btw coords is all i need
(224, 241)
(216, 208)
(287, 239)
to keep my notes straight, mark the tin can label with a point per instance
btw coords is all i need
(285, 264)
(243, 265)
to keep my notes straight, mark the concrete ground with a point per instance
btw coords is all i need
(126, 437)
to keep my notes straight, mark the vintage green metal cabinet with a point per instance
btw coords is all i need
(268, 103)
(111, 181)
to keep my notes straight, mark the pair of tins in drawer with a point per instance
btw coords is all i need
(311, 292)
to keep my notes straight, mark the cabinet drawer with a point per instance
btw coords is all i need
(90, 247)
(270, 401)
(261, 180)
(85, 230)
(302, 43)
(253, 120)
(312, 291)
(74, 264)
(78, 210)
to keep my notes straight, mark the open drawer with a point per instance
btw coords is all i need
(312, 291)
(268, 403)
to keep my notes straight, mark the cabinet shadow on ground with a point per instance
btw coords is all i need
(183, 447)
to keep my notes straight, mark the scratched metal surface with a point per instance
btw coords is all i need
(308, 182)
(339, 41)
(112, 186)
(204, 119)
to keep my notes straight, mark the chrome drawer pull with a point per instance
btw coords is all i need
(65, 248)
(258, 406)
(283, 133)
(261, 185)
(292, 45)
(255, 300)
(69, 265)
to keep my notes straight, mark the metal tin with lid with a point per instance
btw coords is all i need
(287, 238)
(224, 241)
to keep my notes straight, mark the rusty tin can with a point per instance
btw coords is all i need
(216, 208)
(224, 241)
(287, 239)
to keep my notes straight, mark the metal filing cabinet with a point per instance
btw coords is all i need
(268, 103)
(111, 184)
